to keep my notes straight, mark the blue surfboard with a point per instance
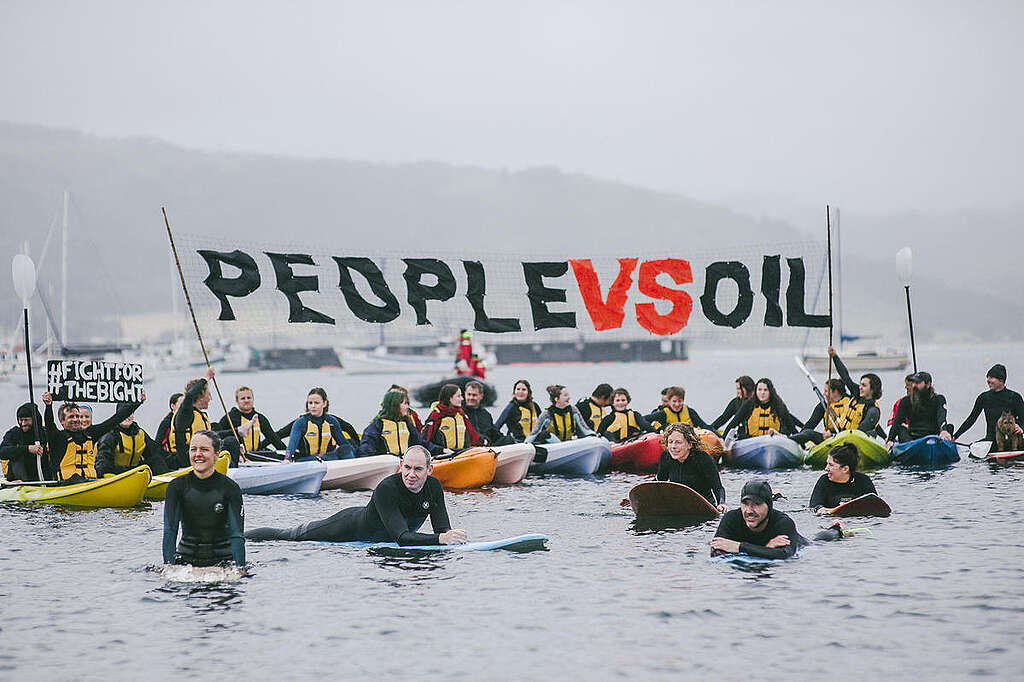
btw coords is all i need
(746, 559)
(519, 543)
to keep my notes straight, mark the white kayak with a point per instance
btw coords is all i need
(359, 473)
(279, 478)
(513, 462)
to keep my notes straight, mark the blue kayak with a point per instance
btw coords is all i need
(519, 543)
(577, 457)
(931, 452)
(764, 452)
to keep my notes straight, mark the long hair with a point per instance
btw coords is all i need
(391, 407)
(529, 389)
(445, 396)
(774, 401)
(689, 433)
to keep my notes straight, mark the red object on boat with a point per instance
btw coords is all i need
(639, 455)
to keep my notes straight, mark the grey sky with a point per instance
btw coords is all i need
(874, 105)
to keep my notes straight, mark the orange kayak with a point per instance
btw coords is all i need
(472, 468)
(712, 443)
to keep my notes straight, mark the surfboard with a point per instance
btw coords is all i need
(746, 560)
(519, 543)
(865, 505)
(1006, 457)
(664, 498)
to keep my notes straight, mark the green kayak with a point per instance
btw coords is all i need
(873, 454)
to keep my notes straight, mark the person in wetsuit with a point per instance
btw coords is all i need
(447, 424)
(622, 423)
(253, 427)
(593, 408)
(127, 447)
(994, 402)
(744, 391)
(561, 421)
(191, 417)
(72, 450)
(841, 481)
(684, 461)
(764, 414)
(922, 413)
(398, 507)
(676, 410)
(163, 431)
(520, 415)
(479, 417)
(207, 506)
(393, 431)
(318, 434)
(22, 446)
(755, 528)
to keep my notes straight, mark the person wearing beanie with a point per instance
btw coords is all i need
(756, 528)
(993, 402)
(22, 446)
(127, 447)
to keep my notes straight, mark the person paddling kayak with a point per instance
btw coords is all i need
(207, 506)
(399, 506)
(684, 461)
(755, 528)
(922, 413)
(841, 481)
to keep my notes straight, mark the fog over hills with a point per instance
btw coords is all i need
(965, 287)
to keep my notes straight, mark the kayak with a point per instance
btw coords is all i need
(930, 452)
(359, 473)
(285, 478)
(639, 455)
(712, 444)
(471, 468)
(664, 498)
(577, 457)
(764, 452)
(157, 489)
(425, 395)
(868, 504)
(513, 462)
(873, 454)
(123, 490)
(519, 543)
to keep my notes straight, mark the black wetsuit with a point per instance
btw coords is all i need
(163, 431)
(698, 471)
(829, 494)
(733, 527)
(209, 511)
(483, 422)
(268, 436)
(22, 465)
(58, 439)
(591, 411)
(728, 414)
(183, 422)
(394, 514)
(152, 454)
(994, 403)
(912, 421)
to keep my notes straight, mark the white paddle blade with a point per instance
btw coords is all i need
(905, 264)
(23, 271)
(980, 448)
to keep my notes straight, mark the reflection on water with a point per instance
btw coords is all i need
(204, 598)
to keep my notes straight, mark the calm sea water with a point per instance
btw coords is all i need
(936, 590)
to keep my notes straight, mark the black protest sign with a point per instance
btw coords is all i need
(94, 381)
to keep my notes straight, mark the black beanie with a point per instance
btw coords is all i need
(26, 410)
(997, 372)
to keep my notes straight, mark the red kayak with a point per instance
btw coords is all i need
(639, 455)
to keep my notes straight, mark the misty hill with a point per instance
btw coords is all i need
(119, 263)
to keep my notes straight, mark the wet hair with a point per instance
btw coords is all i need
(175, 397)
(446, 393)
(876, 384)
(240, 389)
(420, 449)
(473, 384)
(689, 433)
(673, 391)
(65, 408)
(774, 401)
(529, 390)
(836, 385)
(602, 392)
(555, 390)
(746, 384)
(845, 455)
(622, 391)
(212, 435)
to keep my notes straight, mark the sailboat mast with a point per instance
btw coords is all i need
(839, 277)
(64, 273)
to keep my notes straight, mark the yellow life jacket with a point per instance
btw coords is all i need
(252, 441)
(761, 420)
(671, 417)
(395, 435)
(596, 414)
(623, 425)
(454, 431)
(841, 408)
(527, 416)
(319, 438)
(561, 425)
(128, 453)
(854, 413)
(200, 422)
(3, 466)
(78, 459)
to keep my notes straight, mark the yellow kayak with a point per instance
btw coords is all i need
(123, 490)
(157, 489)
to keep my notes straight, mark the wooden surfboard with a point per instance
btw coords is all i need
(663, 498)
(865, 505)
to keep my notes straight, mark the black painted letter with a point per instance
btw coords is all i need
(419, 293)
(714, 274)
(360, 307)
(541, 295)
(247, 281)
(475, 291)
(795, 313)
(291, 285)
(771, 283)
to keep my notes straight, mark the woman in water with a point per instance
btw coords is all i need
(841, 481)
(318, 434)
(393, 430)
(684, 461)
(764, 414)
(622, 423)
(448, 426)
(520, 415)
(561, 421)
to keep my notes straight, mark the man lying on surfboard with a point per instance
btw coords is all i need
(755, 528)
(399, 506)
